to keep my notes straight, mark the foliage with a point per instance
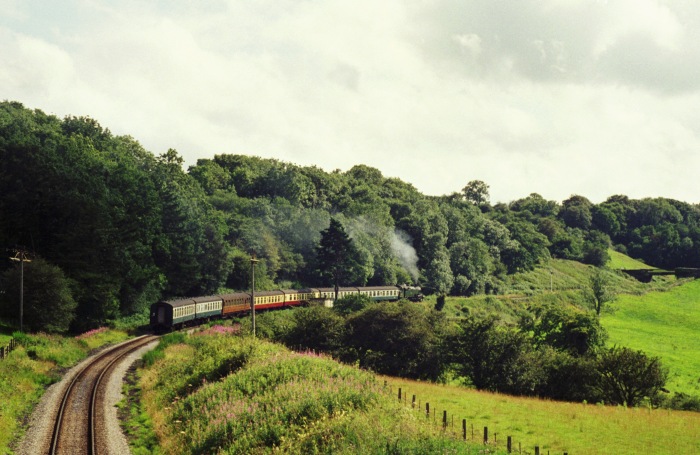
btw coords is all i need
(627, 376)
(494, 357)
(48, 303)
(397, 338)
(476, 192)
(337, 256)
(351, 304)
(599, 292)
(317, 327)
(565, 328)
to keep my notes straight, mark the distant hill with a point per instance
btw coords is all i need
(619, 261)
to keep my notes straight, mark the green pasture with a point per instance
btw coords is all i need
(663, 324)
(621, 261)
(557, 427)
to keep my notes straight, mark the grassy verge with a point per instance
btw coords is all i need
(221, 393)
(38, 362)
(663, 324)
(561, 427)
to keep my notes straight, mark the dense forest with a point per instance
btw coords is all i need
(116, 227)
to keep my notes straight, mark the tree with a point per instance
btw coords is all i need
(565, 328)
(598, 292)
(336, 254)
(351, 303)
(48, 301)
(627, 376)
(493, 357)
(396, 338)
(315, 327)
(476, 192)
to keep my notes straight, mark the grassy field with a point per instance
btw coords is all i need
(621, 261)
(557, 427)
(663, 324)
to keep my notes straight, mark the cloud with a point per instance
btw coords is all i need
(554, 97)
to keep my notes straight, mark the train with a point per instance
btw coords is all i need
(169, 314)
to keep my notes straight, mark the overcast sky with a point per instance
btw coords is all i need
(556, 97)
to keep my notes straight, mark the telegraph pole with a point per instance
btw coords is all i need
(253, 261)
(21, 256)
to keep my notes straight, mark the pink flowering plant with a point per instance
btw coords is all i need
(232, 394)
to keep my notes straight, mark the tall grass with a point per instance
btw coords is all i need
(219, 393)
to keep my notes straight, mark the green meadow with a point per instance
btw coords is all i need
(664, 324)
(558, 427)
(622, 261)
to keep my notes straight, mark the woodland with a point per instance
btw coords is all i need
(113, 227)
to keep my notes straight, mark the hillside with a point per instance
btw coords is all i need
(663, 324)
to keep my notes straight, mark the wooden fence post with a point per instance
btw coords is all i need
(413, 402)
(510, 444)
(2, 353)
(537, 450)
(444, 420)
(399, 393)
(464, 429)
(486, 435)
(427, 409)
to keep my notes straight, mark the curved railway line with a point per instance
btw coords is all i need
(77, 428)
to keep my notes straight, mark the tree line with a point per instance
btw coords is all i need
(120, 227)
(554, 351)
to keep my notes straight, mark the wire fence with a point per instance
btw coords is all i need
(464, 429)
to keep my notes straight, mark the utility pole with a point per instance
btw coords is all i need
(21, 256)
(253, 261)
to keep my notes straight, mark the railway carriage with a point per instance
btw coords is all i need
(167, 314)
(170, 313)
(208, 307)
(269, 299)
(381, 293)
(236, 302)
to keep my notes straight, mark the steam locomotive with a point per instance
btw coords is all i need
(169, 314)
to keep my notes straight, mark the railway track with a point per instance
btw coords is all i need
(78, 426)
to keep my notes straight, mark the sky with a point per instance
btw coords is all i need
(555, 97)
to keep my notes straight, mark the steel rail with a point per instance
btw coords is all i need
(93, 398)
(66, 394)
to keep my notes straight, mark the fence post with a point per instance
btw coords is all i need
(444, 420)
(510, 444)
(427, 410)
(464, 429)
(486, 435)
(413, 402)
(2, 353)
(537, 450)
(399, 393)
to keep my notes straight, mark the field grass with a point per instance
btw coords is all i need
(663, 324)
(558, 427)
(622, 261)
(31, 367)
(558, 281)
